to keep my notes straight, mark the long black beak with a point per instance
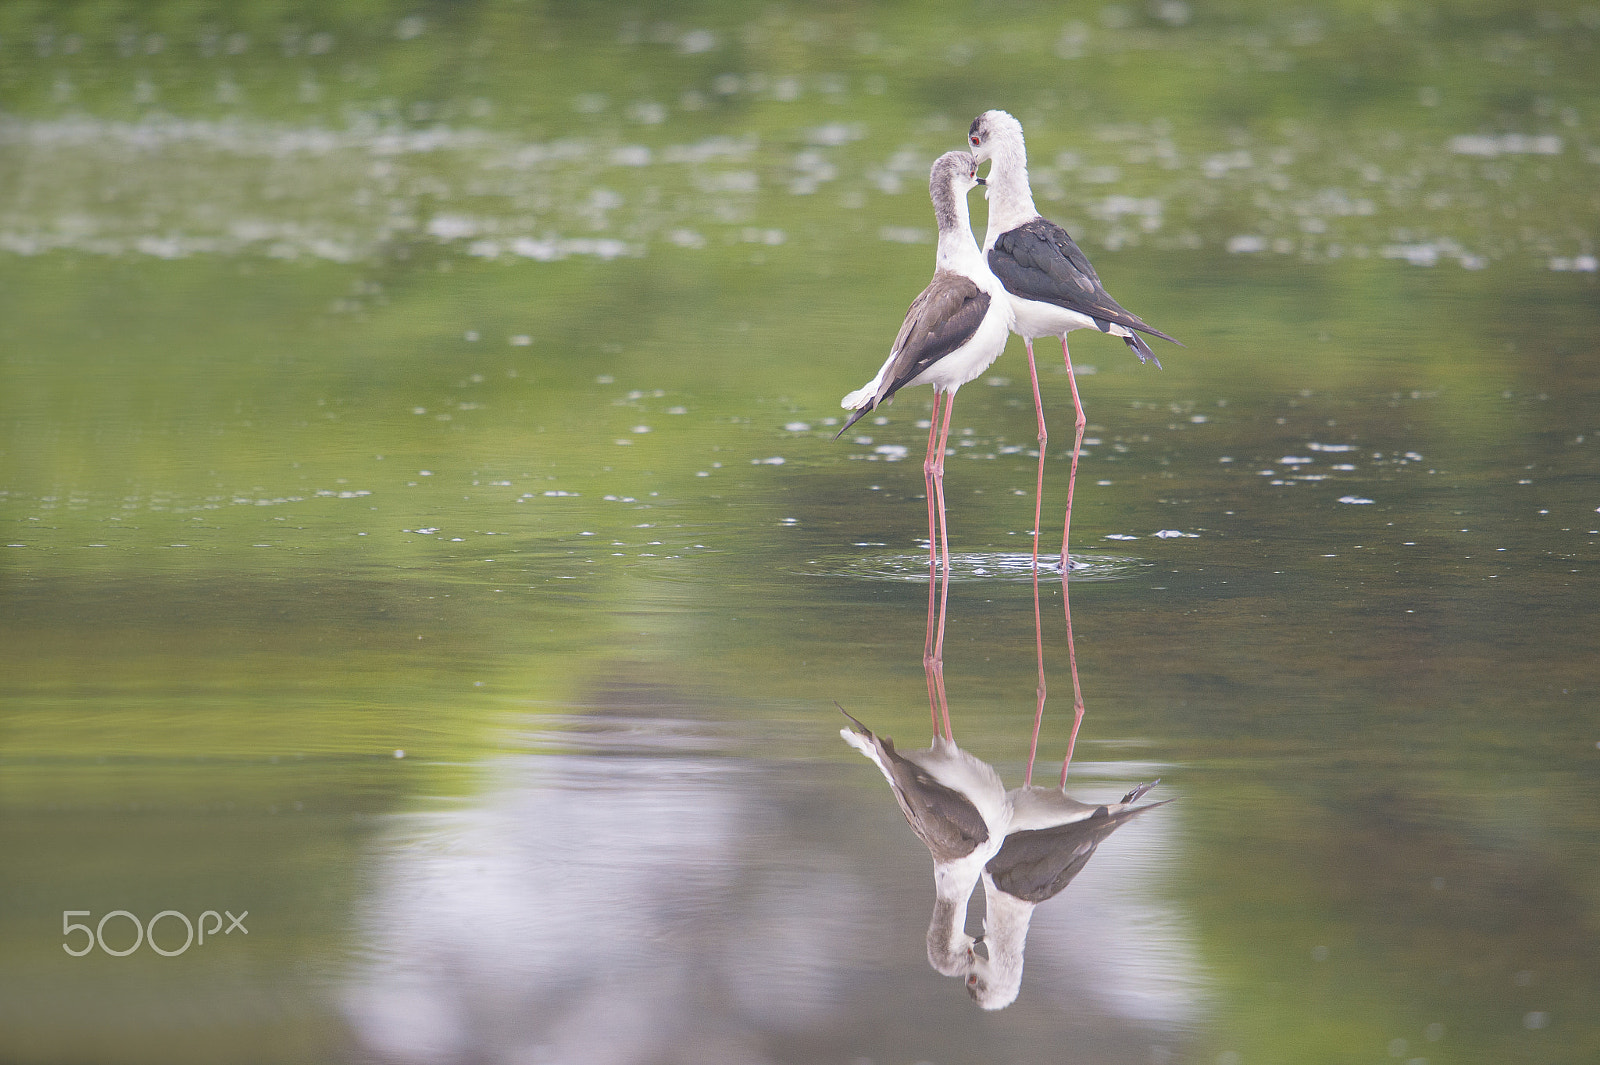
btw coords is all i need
(980, 181)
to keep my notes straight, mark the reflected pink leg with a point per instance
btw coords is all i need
(1077, 692)
(1038, 501)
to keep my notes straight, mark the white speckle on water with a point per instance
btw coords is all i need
(776, 460)
(797, 427)
(1120, 536)
(905, 235)
(1487, 146)
(891, 452)
(1354, 499)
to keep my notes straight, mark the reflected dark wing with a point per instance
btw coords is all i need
(942, 817)
(943, 318)
(1039, 261)
(1034, 865)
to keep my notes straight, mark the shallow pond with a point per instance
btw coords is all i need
(427, 571)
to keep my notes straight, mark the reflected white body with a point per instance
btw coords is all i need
(949, 946)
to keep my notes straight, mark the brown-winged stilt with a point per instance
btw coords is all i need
(958, 807)
(1053, 290)
(952, 333)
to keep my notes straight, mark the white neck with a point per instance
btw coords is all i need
(948, 942)
(1010, 197)
(957, 250)
(1005, 934)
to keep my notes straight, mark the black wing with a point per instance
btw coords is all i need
(1034, 865)
(944, 317)
(1039, 261)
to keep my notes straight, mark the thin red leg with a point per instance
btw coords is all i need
(1038, 501)
(1077, 447)
(944, 552)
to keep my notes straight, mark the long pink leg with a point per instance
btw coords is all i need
(944, 552)
(1077, 447)
(933, 668)
(1066, 562)
(1038, 501)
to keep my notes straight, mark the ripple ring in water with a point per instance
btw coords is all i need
(973, 566)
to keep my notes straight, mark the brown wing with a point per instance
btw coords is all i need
(944, 819)
(941, 320)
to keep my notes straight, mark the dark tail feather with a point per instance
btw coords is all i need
(855, 416)
(1133, 796)
(853, 721)
(1141, 349)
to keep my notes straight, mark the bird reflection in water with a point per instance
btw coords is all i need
(1026, 845)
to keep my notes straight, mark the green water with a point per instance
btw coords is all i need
(394, 542)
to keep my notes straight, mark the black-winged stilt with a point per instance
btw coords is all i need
(952, 333)
(1051, 838)
(1053, 290)
(958, 807)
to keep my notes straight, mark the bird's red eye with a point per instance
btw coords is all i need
(974, 142)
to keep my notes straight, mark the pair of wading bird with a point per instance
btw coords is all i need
(1033, 280)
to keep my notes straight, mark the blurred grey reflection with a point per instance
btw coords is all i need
(1026, 844)
(626, 905)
